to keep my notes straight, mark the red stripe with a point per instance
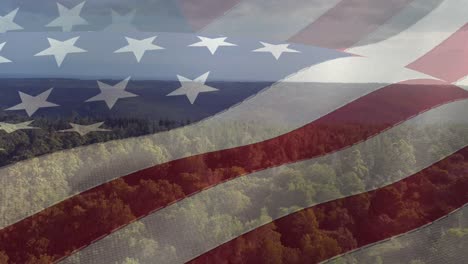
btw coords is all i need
(326, 230)
(348, 22)
(79, 220)
(449, 60)
(200, 13)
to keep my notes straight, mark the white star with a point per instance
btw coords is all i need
(10, 128)
(211, 43)
(122, 23)
(32, 103)
(3, 59)
(68, 17)
(6, 22)
(191, 88)
(276, 50)
(139, 47)
(83, 130)
(110, 94)
(60, 49)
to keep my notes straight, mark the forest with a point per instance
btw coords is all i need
(309, 236)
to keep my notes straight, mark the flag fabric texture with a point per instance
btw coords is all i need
(233, 131)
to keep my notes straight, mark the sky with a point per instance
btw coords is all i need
(152, 15)
(260, 18)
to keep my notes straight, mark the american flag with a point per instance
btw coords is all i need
(233, 131)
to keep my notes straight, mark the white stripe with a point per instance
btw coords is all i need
(463, 83)
(298, 100)
(412, 13)
(266, 19)
(435, 243)
(212, 217)
(417, 40)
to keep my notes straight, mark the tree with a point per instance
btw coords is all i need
(3, 257)
(130, 261)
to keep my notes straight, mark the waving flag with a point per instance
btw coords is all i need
(236, 131)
